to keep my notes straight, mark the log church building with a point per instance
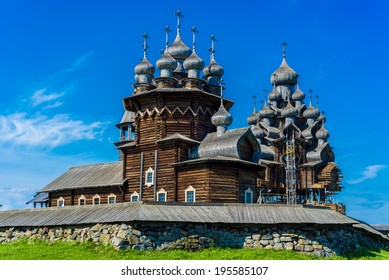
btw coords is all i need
(175, 143)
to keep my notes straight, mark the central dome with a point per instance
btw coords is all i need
(178, 49)
(284, 75)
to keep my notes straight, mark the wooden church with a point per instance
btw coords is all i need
(175, 144)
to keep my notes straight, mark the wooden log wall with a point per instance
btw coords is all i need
(195, 176)
(224, 183)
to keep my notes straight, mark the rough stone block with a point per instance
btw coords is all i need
(286, 239)
(289, 246)
(104, 238)
(137, 232)
(278, 246)
(122, 234)
(264, 242)
(256, 237)
(267, 237)
(308, 248)
(116, 241)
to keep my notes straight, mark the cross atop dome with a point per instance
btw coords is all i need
(145, 46)
(179, 15)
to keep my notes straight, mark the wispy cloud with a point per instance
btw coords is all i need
(15, 198)
(41, 96)
(43, 131)
(78, 63)
(370, 172)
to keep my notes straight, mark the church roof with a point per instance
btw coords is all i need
(228, 144)
(89, 176)
(178, 136)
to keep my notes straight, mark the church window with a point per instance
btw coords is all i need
(190, 194)
(149, 177)
(161, 195)
(111, 198)
(135, 197)
(60, 202)
(248, 196)
(81, 200)
(96, 200)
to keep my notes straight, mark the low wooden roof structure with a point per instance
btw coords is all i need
(88, 176)
(228, 213)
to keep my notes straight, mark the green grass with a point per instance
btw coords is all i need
(39, 250)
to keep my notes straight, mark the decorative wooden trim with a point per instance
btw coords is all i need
(133, 196)
(61, 199)
(80, 199)
(189, 189)
(93, 199)
(162, 191)
(111, 195)
(165, 109)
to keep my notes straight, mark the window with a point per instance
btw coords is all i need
(96, 200)
(81, 200)
(111, 198)
(134, 197)
(60, 202)
(161, 195)
(190, 194)
(149, 177)
(248, 196)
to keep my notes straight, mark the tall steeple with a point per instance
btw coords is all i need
(213, 72)
(193, 64)
(144, 70)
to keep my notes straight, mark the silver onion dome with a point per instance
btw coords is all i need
(221, 117)
(166, 61)
(266, 112)
(284, 75)
(194, 62)
(274, 95)
(298, 95)
(289, 111)
(178, 49)
(311, 113)
(253, 118)
(322, 133)
(145, 68)
(213, 69)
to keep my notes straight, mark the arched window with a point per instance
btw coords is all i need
(162, 195)
(190, 194)
(111, 198)
(248, 195)
(149, 177)
(134, 197)
(96, 199)
(81, 200)
(60, 202)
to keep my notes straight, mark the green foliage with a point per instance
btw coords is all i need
(40, 250)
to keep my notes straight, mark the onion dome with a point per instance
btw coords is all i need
(311, 113)
(258, 132)
(213, 72)
(298, 95)
(193, 64)
(166, 62)
(274, 95)
(289, 111)
(322, 133)
(284, 75)
(253, 118)
(144, 67)
(266, 112)
(221, 117)
(178, 49)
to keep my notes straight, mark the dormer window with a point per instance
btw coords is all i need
(248, 196)
(96, 200)
(81, 200)
(190, 194)
(162, 195)
(149, 177)
(111, 199)
(134, 197)
(60, 202)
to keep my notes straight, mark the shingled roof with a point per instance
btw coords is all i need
(89, 176)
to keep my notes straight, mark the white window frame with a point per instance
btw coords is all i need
(190, 189)
(250, 191)
(82, 197)
(134, 194)
(114, 196)
(162, 191)
(61, 199)
(94, 197)
(149, 171)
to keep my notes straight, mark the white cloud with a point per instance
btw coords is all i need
(15, 198)
(40, 96)
(370, 172)
(42, 131)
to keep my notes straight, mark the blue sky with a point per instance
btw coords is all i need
(66, 65)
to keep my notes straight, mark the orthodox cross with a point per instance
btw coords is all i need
(167, 30)
(213, 39)
(310, 95)
(317, 101)
(265, 95)
(194, 31)
(145, 46)
(255, 103)
(221, 82)
(284, 44)
(179, 15)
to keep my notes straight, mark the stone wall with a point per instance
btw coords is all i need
(318, 240)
